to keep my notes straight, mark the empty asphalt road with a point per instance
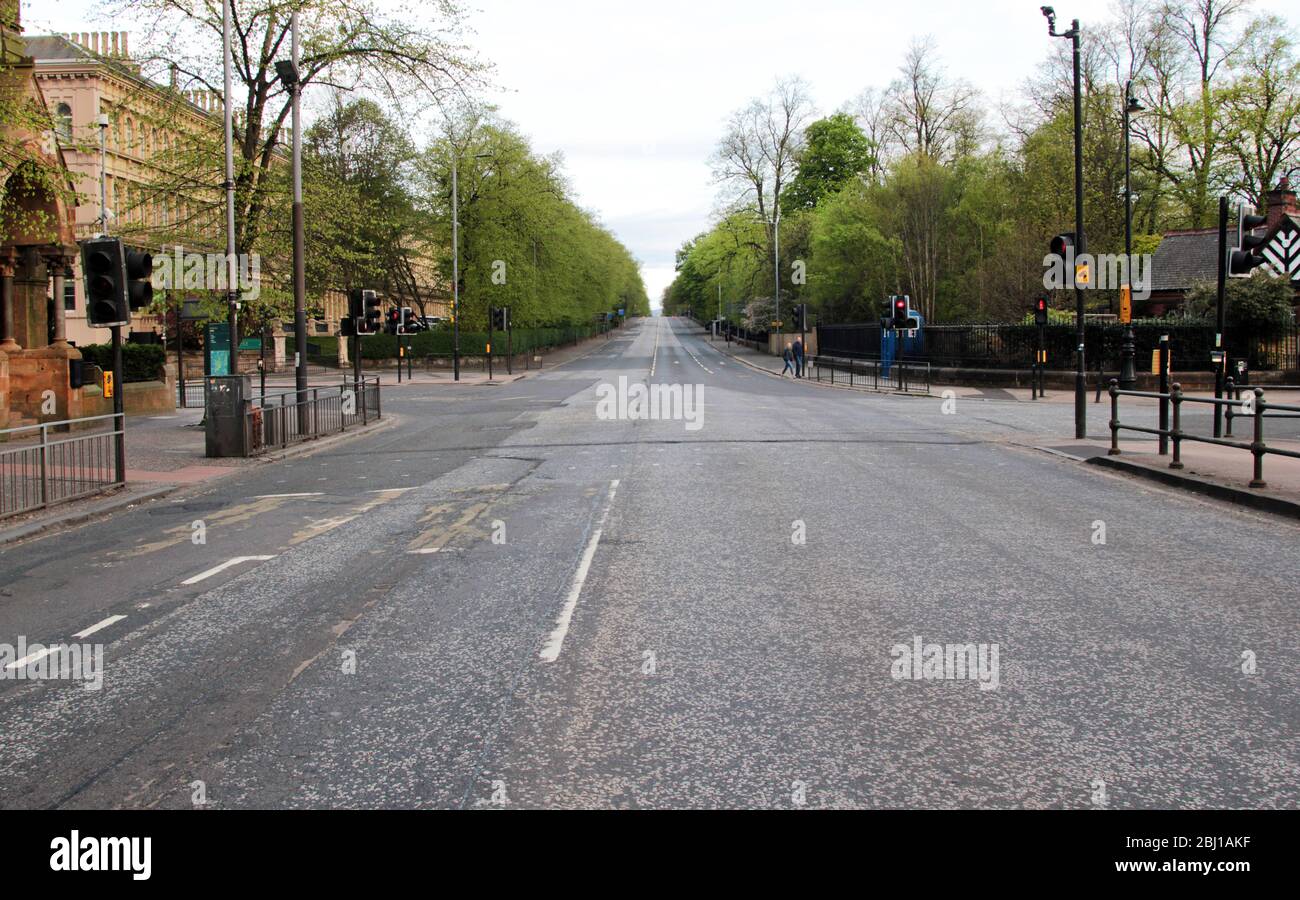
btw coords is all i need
(509, 598)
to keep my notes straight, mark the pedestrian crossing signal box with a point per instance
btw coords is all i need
(108, 385)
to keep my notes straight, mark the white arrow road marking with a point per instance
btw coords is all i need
(202, 576)
(98, 626)
(555, 643)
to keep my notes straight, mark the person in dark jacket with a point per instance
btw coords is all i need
(798, 358)
(788, 356)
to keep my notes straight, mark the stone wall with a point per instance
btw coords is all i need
(4, 391)
(141, 398)
(39, 376)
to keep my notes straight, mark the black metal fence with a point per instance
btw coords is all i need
(54, 462)
(905, 377)
(1013, 346)
(277, 420)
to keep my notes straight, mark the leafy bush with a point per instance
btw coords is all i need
(1261, 305)
(140, 362)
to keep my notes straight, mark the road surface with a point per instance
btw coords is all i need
(506, 599)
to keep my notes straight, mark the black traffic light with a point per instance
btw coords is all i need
(393, 323)
(103, 266)
(901, 319)
(405, 319)
(347, 327)
(363, 310)
(801, 318)
(139, 269)
(1245, 258)
(501, 318)
(1063, 246)
(1040, 311)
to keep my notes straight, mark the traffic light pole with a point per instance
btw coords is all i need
(510, 347)
(119, 408)
(1220, 296)
(491, 334)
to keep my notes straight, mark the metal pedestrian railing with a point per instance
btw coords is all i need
(1253, 406)
(277, 420)
(1234, 391)
(192, 394)
(877, 374)
(54, 462)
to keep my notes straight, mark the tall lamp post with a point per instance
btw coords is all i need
(1081, 245)
(227, 103)
(288, 73)
(455, 256)
(1128, 368)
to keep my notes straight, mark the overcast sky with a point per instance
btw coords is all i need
(635, 94)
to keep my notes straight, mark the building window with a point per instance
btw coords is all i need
(130, 136)
(69, 293)
(63, 123)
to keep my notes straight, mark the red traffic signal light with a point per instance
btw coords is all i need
(1062, 245)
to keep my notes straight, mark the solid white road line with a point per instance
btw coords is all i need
(285, 496)
(98, 626)
(215, 570)
(555, 643)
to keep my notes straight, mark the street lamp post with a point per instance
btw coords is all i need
(102, 122)
(290, 77)
(455, 256)
(1081, 246)
(1128, 352)
(232, 290)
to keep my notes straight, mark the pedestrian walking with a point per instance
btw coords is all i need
(788, 356)
(798, 358)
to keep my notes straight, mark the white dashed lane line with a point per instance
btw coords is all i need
(98, 626)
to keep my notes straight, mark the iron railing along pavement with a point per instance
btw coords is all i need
(1255, 406)
(278, 420)
(905, 376)
(55, 462)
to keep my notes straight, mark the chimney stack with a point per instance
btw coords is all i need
(1281, 202)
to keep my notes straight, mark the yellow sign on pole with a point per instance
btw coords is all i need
(108, 385)
(1082, 278)
(1155, 362)
(1125, 305)
(489, 348)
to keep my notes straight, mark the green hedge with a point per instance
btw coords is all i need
(140, 362)
(439, 343)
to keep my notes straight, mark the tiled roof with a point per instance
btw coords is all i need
(53, 46)
(1185, 258)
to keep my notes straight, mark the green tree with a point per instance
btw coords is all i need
(835, 151)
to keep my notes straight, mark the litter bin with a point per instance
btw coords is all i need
(226, 432)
